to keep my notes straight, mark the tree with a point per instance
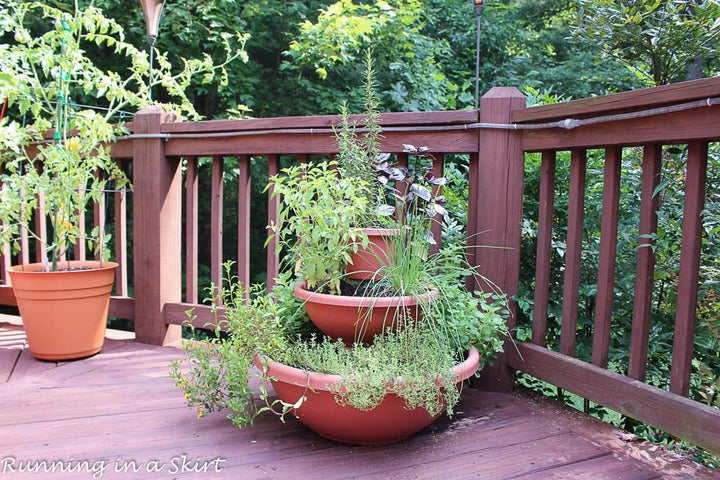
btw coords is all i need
(409, 70)
(661, 41)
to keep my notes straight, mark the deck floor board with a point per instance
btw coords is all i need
(119, 413)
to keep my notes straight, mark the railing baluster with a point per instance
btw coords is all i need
(544, 247)
(121, 274)
(99, 222)
(607, 258)
(79, 252)
(244, 212)
(4, 264)
(5, 255)
(273, 267)
(5, 252)
(472, 219)
(689, 268)
(436, 228)
(24, 256)
(649, 204)
(216, 221)
(41, 229)
(191, 230)
(571, 287)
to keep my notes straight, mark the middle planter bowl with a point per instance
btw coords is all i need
(360, 318)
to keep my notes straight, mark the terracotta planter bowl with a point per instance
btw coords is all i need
(64, 313)
(389, 422)
(358, 318)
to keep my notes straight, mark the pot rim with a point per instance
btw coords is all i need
(380, 232)
(321, 381)
(39, 267)
(365, 302)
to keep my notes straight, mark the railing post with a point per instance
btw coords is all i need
(157, 197)
(496, 189)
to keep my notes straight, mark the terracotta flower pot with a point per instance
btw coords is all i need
(64, 313)
(389, 422)
(368, 260)
(358, 318)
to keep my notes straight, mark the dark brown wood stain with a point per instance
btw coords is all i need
(120, 409)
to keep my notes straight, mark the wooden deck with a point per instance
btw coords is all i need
(118, 415)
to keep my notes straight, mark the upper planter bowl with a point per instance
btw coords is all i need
(367, 261)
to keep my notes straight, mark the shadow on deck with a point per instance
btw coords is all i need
(118, 415)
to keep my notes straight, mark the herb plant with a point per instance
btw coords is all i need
(316, 221)
(321, 211)
(414, 362)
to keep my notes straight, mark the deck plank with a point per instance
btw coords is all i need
(16, 361)
(120, 410)
(12, 343)
(27, 365)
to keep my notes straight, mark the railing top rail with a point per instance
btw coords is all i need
(622, 102)
(321, 121)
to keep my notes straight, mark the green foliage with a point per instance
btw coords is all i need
(188, 30)
(425, 52)
(316, 221)
(216, 373)
(661, 41)
(473, 319)
(42, 72)
(414, 360)
(407, 59)
(359, 149)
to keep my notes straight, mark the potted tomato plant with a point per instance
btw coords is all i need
(56, 159)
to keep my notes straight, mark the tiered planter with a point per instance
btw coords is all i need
(358, 318)
(389, 422)
(64, 313)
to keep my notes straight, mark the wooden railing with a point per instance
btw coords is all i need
(167, 158)
(680, 114)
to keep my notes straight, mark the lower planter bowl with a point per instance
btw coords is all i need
(358, 318)
(64, 312)
(389, 422)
